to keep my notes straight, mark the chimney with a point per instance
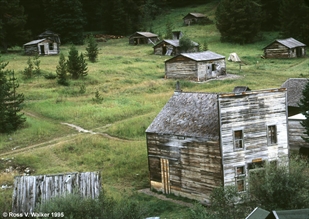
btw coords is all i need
(177, 90)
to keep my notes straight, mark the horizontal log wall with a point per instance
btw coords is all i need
(277, 50)
(29, 191)
(252, 113)
(194, 164)
(181, 69)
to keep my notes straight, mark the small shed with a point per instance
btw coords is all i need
(285, 48)
(192, 18)
(199, 66)
(41, 47)
(295, 87)
(171, 47)
(200, 141)
(143, 38)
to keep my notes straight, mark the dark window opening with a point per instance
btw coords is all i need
(51, 46)
(271, 135)
(240, 178)
(238, 139)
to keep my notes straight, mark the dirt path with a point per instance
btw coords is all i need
(162, 197)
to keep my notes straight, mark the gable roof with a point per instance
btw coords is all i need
(294, 88)
(145, 34)
(188, 114)
(33, 42)
(174, 43)
(200, 56)
(289, 42)
(198, 15)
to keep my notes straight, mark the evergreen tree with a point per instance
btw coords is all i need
(76, 64)
(238, 21)
(61, 71)
(10, 101)
(304, 108)
(270, 15)
(83, 70)
(294, 16)
(119, 18)
(92, 49)
(66, 18)
(185, 44)
(168, 30)
(12, 23)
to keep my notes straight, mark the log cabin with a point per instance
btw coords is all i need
(41, 47)
(196, 18)
(143, 38)
(199, 66)
(172, 47)
(285, 48)
(200, 141)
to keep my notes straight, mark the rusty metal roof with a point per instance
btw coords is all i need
(294, 88)
(201, 56)
(188, 114)
(289, 42)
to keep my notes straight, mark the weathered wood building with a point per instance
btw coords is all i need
(29, 191)
(296, 132)
(199, 66)
(172, 48)
(50, 35)
(192, 18)
(200, 141)
(143, 38)
(285, 48)
(41, 47)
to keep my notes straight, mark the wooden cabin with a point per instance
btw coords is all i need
(143, 38)
(200, 141)
(199, 66)
(41, 47)
(193, 18)
(171, 47)
(285, 48)
(50, 35)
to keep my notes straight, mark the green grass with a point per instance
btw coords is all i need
(131, 81)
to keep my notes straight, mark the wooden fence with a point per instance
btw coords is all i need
(32, 190)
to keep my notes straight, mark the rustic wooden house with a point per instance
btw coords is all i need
(143, 38)
(50, 35)
(285, 48)
(199, 66)
(172, 48)
(192, 18)
(30, 191)
(200, 141)
(41, 47)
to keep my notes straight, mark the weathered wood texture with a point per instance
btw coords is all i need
(41, 47)
(296, 132)
(252, 114)
(194, 164)
(286, 48)
(32, 190)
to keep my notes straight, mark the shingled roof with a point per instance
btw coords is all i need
(188, 114)
(289, 42)
(294, 88)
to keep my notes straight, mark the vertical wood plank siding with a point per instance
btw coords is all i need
(252, 114)
(194, 164)
(32, 190)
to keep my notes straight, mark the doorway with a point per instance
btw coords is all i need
(42, 50)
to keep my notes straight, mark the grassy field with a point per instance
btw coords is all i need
(131, 81)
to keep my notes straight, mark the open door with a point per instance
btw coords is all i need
(165, 172)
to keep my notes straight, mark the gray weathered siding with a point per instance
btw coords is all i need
(296, 131)
(194, 164)
(32, 190)
(181, 69)
(252, 113)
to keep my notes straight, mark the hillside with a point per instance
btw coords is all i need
(131, 81)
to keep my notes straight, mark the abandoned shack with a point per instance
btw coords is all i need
(143, 38)
(199, 66)
(195, 18)
(50, 35)
(200, 141)
(172, 48)
(285, 48)
(30, 191)
(41, 47)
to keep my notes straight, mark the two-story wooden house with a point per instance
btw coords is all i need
(200, 141)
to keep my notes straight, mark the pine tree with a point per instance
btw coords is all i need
(92, 49)
(73, 63)
(304, 108)
(185, 44)
(10, 101)
(61, 71)
(83, 70)
(238, 21)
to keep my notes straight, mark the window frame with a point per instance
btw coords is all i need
(240, 177)
(51, 46)
(239, 140)
(271, 138)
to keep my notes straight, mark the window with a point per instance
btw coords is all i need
(238, 140)
(213, 67)
(240, 178)
(51, 46)
(271, 135)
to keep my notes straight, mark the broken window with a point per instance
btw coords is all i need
(238, 139)
(271, 135)
(51, 46)
(240, 178)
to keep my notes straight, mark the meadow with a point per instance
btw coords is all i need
(130, 79)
